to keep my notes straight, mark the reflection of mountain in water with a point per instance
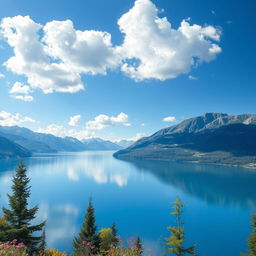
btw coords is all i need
(222, 185)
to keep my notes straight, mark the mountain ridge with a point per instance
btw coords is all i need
(209, 138)
(10, 149)
(36, 142)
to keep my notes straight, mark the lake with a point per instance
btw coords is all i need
(137, 196)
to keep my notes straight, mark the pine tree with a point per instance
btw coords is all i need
(87, 232)
(42, 243)
(252, 239)
(17, 219)
(114, 231)
(175, 242)
(138, 245)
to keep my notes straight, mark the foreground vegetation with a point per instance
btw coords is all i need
(17, 234)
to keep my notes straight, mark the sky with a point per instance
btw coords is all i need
(124, 69)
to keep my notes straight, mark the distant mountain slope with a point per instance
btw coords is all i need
(100, 144)
(47, 143)
(40, 142)
(210, 138)
(11, 149)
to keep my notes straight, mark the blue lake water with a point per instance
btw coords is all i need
(137, 196)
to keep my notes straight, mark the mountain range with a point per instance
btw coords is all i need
(11, 149)
(20, 142)
(210, 138)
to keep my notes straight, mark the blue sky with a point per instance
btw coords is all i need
(148, 70)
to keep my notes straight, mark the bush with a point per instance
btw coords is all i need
(106, 239)
(52, 252)
(12, 248)
(121, 250)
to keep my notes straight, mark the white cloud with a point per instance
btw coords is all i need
(55, 62)
(169, 119)
(84, 51)
(61, 131)
(101, 122)
(136, 137)
(8, 119)
(2, 75)
(18, 87)
(27, 98)
(156, 50)
(55, 55)
(190, 77)
(73, 120)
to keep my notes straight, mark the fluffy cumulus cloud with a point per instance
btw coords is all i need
(55, 55)
(55, 61)
(27, 98)
(18, 89)
(157, 50)
(83, 51)
(134, 138)
(73, 120)
(2, 75)
(101, 122)
(169, 119)
(8, 119)
(61, 131)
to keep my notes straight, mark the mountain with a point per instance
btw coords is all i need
(11, 149)
(40, 142)
(125, 143)
(100, 144)
(210, 138)
(47, 143)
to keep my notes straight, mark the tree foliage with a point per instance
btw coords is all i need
(175, 243)
(252, 239)
(115, 240)
(138, 245)
(16, 222)
(87, 232)
(106, 239)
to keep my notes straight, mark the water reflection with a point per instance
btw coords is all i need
(60, 223)
(137, 195)
(222, 185)
(76, 166)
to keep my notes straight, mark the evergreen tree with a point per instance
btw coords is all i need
(42, 243)
(138, 245)
(17, 219)
(174, 243)
(115, 239)
(252, 239)
(87, 232)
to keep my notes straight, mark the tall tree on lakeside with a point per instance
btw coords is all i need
(17, 219)
(175, 243)
(252, 239)
(87, 232)
(114, 231)
(138, 245)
